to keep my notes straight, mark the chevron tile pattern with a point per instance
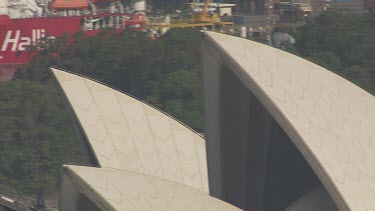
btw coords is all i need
(128, 134)
(125, 190)
(331, 120)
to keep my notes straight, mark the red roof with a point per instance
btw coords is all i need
(69, 4)
(98, 1)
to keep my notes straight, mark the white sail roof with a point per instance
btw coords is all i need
(113, 189)
(329, 119)
(126, 133)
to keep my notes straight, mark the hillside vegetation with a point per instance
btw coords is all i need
(342, 43)
(36, 133)
(37, 136)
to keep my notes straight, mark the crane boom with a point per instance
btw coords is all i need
(204, 16)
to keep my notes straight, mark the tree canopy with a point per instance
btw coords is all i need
(36, 137)
(163, 72)
(342, 43)
(36, 132)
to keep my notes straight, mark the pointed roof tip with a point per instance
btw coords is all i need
(54, 70)
(216, 35)
(106, 184)
(62, 75)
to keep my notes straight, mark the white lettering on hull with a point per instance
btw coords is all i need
(9, 40)
(15, 42)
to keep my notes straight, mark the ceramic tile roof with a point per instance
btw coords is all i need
(127, 134)
(126, 190)
(329, 119)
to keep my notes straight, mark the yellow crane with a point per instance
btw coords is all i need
(205, 16)
(204, 19)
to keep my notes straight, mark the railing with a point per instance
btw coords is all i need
(161, 21)
(67, 13)
(17, 201)
(74, 12)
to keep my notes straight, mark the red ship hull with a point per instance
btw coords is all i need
(17, 34)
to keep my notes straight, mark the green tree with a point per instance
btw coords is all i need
(342, 43)
(36, 137)
(36, 132)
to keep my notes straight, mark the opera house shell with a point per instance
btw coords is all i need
(145, 160)
(289, 134)
(281, 133)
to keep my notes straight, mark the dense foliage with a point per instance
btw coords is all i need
(36, 132)
(35, 135)
(163, 72)
(342, 43)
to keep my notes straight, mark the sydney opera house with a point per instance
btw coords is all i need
(281, 133)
